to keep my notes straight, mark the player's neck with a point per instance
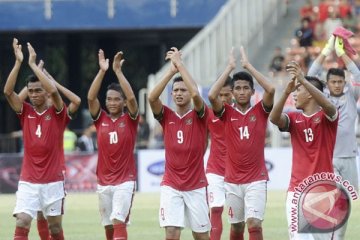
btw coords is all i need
(243, 107)
(311, 109)
(116, 116)
(182, 110)
(41, 108)
(336, 95)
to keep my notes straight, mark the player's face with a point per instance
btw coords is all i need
(242, 92)
(180, 94)
(114, 102)
(336, 85)
(301, 96)
(37, 94)
(225, 94)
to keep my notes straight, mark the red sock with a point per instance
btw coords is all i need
(21, 233)
(236, 235)
(109, 232)
(255, 233)
(43, 229)
(57, 236)
(120, 231)
(216, 223)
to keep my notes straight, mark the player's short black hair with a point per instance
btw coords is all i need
(228, 82)
(335, 71)
(316, 82)
(116, 87)
(245, 76)
(177, 79)
(31, 79)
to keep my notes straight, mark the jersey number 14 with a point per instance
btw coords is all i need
(244, 132)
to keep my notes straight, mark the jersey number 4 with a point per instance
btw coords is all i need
(38, 131)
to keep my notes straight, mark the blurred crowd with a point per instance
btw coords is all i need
(317, 23)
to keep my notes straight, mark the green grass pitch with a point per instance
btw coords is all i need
(82, 221)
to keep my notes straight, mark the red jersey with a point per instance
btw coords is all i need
(43, 135)
(116, 142)
(185, 144)
(245, 140)
(218, 152)
(313, 140)
(323, 13)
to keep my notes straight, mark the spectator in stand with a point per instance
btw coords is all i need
(356, 6)
(350, 22)
(331, 24)
(70, 139)
(323, 10)
(305, 34)
(86, 142)
(344, 9)
(143, 133)
(277, 62)
(158, 138)
(307, 10)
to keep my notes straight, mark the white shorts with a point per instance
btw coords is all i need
(33, 197)
(216, 190)
(184, 208)
(246, 201)
(115, 202)
(295, 235)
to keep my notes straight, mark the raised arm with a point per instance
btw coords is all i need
(11, 96)
(23, 94)
(93, 101)
(277, 116)
(72, 97)
(214, 91)
(325, 104)
(154, 96)
(131, 103)
(350, 65)
(268, 97)
(175, 56)
(316, 66)
(48, 85)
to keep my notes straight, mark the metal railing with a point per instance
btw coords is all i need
(238, 22)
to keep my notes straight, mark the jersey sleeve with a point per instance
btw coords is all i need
(98, 118)
(287, 127)
(333, 118)
(24, 110)
(163, 116)
(204, 112)
(225, 112)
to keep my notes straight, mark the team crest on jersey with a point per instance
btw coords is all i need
(252, 118)
(47, 117)
(121, 124)
(317, 119)
(188, 121)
